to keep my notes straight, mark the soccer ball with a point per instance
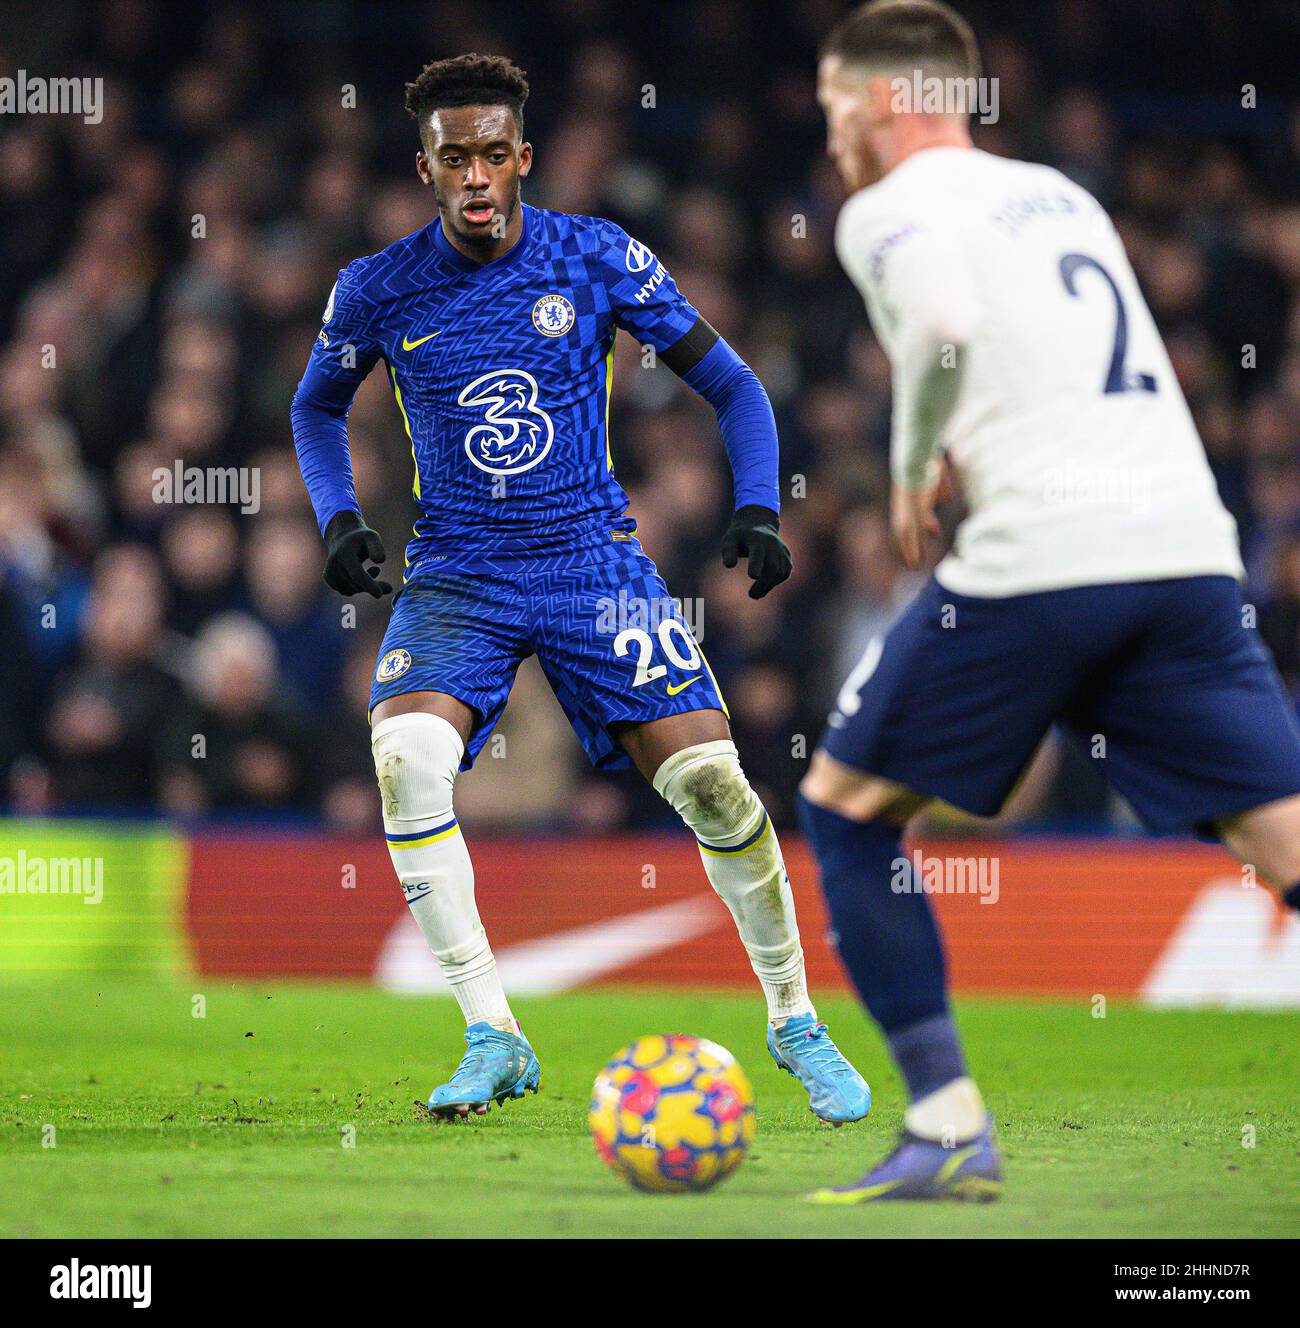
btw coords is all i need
(672, 1113)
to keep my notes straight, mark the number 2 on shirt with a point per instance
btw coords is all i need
(1117, 380)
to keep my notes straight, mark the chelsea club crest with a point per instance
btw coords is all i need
(393, 665)
(553, 315)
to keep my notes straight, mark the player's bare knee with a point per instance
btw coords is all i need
(855, 794)
(1268, 839)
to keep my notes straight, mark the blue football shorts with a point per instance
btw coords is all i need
(1163, 683)
(614, 645)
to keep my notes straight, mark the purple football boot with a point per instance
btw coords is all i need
(924, 1169)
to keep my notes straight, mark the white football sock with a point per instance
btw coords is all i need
(417, 757)
(742, 859)
(950, 1115)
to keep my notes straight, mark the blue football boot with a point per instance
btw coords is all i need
(924, 1169)
(495, 1066)
(803, 1048)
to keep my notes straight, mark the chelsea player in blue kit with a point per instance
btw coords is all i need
(496, 323)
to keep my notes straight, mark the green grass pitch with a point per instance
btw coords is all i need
(1136, 1124)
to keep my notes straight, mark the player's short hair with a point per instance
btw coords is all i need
(467, 80)
(906, 34)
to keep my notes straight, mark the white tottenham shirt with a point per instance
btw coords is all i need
(1076, 452)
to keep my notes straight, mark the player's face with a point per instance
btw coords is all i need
(474, 159)
(848, 105)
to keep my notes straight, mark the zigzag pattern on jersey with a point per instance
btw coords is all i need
(507, 425)
(578, 614)
(466, 634)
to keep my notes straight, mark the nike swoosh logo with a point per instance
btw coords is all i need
(561, 960)
(674, 688)
(411, 345)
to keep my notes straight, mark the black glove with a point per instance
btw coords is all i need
(753, 532)
(349, 543)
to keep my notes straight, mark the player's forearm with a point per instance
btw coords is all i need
(926, 389)
(921, 281)
(320, 437)
(746, 422)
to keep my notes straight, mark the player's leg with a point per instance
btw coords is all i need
(631, 677)
(693, 765)
(889, 942)
(886, 937)
(1268, 839)
(419, 739)
(945, 703)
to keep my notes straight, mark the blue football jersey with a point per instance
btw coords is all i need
(502, 374)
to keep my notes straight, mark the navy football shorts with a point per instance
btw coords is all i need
(1161, 682)
(613, 644)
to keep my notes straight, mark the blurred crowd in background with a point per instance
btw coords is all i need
(163, 272)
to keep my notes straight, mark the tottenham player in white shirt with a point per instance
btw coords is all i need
(1094, 583)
